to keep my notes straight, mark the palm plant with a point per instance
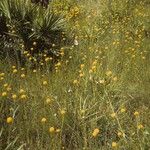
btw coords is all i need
(30, 23)
(48, 28)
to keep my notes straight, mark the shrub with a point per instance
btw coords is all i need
(31, 28)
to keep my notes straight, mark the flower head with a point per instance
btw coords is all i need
(4, 94)
(45, 83)
(114, 144)
(136, 113)
(14, 96)
(95, 132)
(140, 126)
(9, 120)
(123, 110)
(51, 129)
(43, 120)
(113, 115)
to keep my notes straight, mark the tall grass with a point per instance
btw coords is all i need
(97, 95)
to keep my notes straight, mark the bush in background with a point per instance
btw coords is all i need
(30, 31)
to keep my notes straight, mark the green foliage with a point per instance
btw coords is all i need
(97, 97)
(28, 23)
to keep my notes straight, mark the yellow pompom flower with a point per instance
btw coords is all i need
(45, 83)
(8, 89)
(140, 126)
(22, 69)
(34, 43)
(108, 73)
(47, 59)
(48, 101)
(62, 112)
(51, 129)
(9, 120)
(2, 74)
(136, 113)
(95, 132)
(31, 48)
(113, 115)
(58, 130)
(22, 76)
(2, 78)
(13, 67)
(120, 134)
(43, 120)
(115, 78)
(21, 91)
(14, 96)
(4, 94)
(81, 74)
(34, 71)
(123, 110)
(15, 71)
(23, 96)
(75, 82)
(5, 85)
(114, 144)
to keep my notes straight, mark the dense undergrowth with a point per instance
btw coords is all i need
(94, 95)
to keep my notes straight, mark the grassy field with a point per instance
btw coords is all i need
(96, 97)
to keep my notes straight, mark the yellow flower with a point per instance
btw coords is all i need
(2, 74)
(51, 129)
(5, 85)
(25, 52)
(94, 68)
(95, 132)
(34, 71)
(114, 144)
(62, 112)
(34, 43)
(58, 130)
(4, 94)
(8, 89)
(48, 100)
(9, 120)
(13, 67)
(140, 126)
(2, 78)
(75, 82)
(14, 96)
(119, 134)
(113, 115)
(23, 96)
(31, 48)
(102, 81)
(22, 75)
(43, 120)
(21, 91)
(108, 73)
(58, 64)
(136, 113)
(115, 79)
(81, 74)
(82, 111)
(123, 110)
(15, 71)
(22, 69)
(45, 83)
(82, 66)
(47, 59)
(53, 45)
(28, 55)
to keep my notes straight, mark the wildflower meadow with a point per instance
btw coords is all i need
(74, 74)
